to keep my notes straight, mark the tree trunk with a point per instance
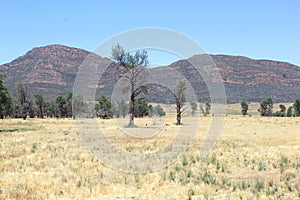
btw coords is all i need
(41, 112)
(178, 115)
(178, 120)
(131, 109)
(131, 120)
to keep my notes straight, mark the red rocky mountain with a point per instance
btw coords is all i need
(51, 71)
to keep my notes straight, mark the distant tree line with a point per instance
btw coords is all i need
(26, 105)
(5, 100)
(267, 109)
(107, 109)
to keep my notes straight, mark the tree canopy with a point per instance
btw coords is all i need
(135, 74)
(5, 100)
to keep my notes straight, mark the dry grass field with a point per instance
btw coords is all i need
(255, 158)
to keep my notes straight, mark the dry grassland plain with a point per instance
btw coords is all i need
(254, 158)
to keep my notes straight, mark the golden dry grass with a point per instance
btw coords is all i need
(255, 158)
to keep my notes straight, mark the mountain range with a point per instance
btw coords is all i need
(51, 70)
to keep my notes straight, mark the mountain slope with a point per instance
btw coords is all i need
(255, 80)
(51, 71)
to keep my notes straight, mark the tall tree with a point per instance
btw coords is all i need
(179, 95)
(207, 108)
(64, 105)
(266, 107)
(5, 100)
(61, 106)
(78, 106)
(193, 107)
(68, 97)
(202, 110)
(134, 65)
(121, 108)
(159, 111)
(282, 111)
(151, 110)
(245, 107)
(141, 108)
(16, 109)
(104, 108)
(25, 101)
(296, 107)
(289, 112)
(41, 105)
(282, 108)
(51, 109)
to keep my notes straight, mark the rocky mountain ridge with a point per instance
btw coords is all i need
(51, 71)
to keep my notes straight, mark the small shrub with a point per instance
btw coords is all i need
(184, 161)
(177, 168)
(171, 176)
(34, 147)
(244, 185)
(284, 160)
(218, 166)
(259, 185)
(191, 192)
(193, 160)
(261, 166)
(207, 178)
(213, 159)
(189, 173)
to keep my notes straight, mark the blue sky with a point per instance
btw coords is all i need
(267, 29)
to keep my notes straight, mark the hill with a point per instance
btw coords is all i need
(51, 71)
